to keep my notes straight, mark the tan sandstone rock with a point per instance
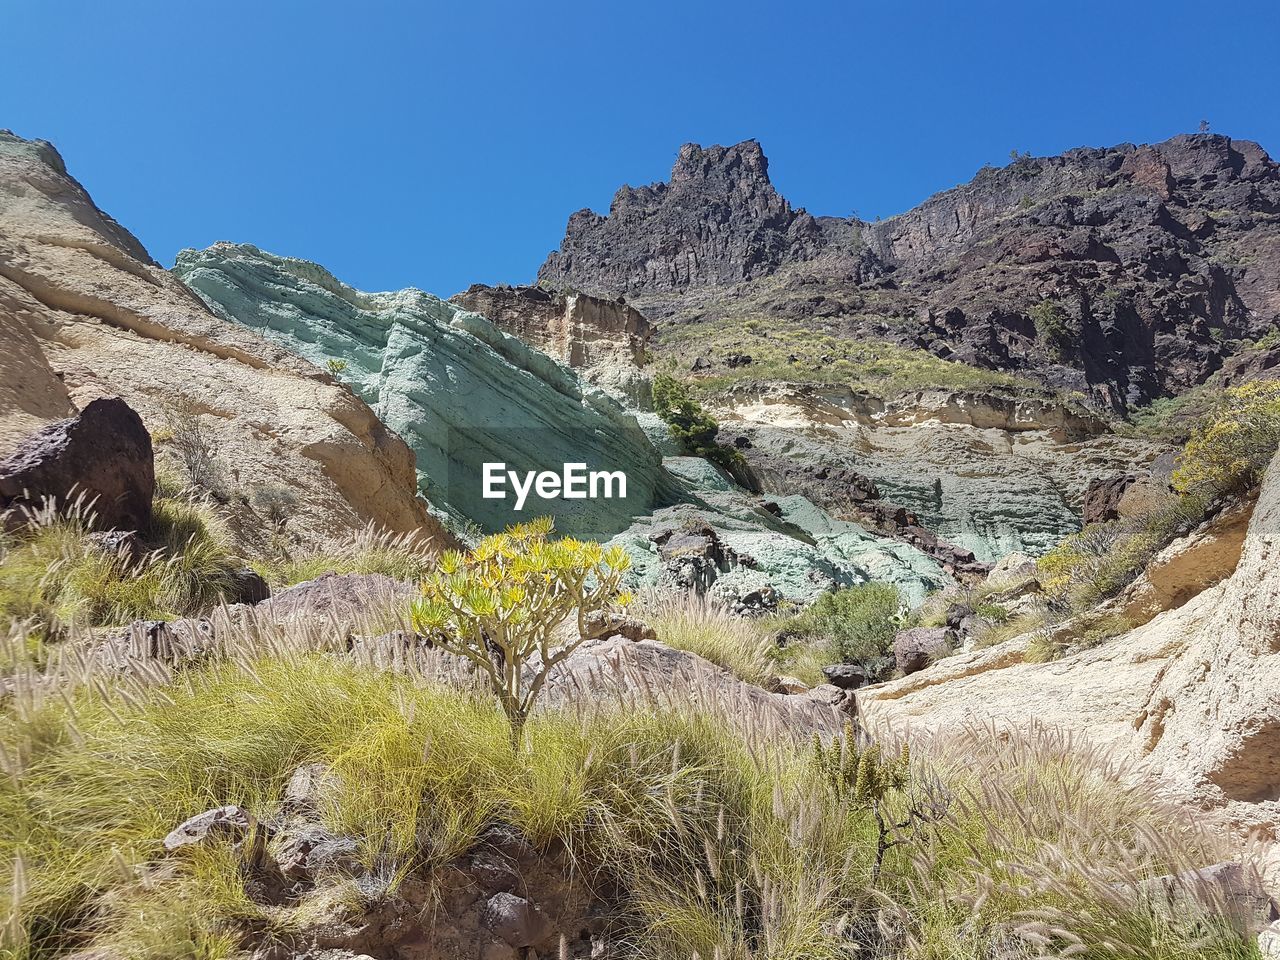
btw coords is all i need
(1192, 697)
(85, 313)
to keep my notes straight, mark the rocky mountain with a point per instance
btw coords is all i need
(1126, 273)
(86, 313)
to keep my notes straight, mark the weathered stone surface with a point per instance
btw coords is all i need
(229, 823)
(1102, 497)
(517, 921)
(976, 473)
(846, 676)
(102, 454)
(459, 390)
(604, 340)
(1190, 697)
(343, 597)
(86, 313)
(917, 648)
(248, 586)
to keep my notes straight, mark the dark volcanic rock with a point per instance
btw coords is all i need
(1103, 495)
(1159, 261)
(718, 220)
(104, 454)
(915, 649)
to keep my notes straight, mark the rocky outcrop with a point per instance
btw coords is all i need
(103, 454)
(1193, 696)
(581, 330)
(977, 474)
(718, 220)
(1157, 263)
(86, 313)
(460, 391)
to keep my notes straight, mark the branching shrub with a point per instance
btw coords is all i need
(1232, 444)
(499, 604)
(193, 445)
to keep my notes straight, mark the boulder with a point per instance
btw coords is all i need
(915, 649)
(847, 676)
(230, 823)
(305, 852)
(345, 596)
(103, 454)
(1102, 497)
(246, 585)
(631, 628)
(516, 921)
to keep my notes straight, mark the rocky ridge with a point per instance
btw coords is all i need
(1159, 263)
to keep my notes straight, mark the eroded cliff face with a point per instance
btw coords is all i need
(992, 475)
(604, 340)
(85, 312)
(459, 390)
(1160, 263)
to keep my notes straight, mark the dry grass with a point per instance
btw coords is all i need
(723, 845)
(700, 625)
(404, 556)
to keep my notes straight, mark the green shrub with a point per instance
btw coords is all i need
(855, 624)
(1055, 327)
(1232, 444)
(692, 427)
(499, 604)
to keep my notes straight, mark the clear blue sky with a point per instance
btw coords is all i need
(438, 144)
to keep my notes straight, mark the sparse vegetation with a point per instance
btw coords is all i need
(190, 440)
(59, 577)
(789, 351)
(699, 625)
(1016, 845)
(370, 550)
(853, 625)
(500, 603)
(1233, 442)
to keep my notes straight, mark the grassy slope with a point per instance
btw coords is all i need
(721, 849)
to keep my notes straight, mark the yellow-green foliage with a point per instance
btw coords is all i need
(716, 849)
(53, 575)
(690, 622)
(864, 363)
(507, 595)
(399, 556)
(1233, 443)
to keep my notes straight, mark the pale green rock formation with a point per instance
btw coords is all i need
(461, 392)
(456, 388)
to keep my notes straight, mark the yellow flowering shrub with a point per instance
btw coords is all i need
(1233, 443)
(499, 604)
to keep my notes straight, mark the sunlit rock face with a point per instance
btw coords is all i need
(460, 391)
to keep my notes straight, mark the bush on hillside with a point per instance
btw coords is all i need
(1055, 327)
(692, 427)
(854, 625)
(1233, 442)
(498, 605)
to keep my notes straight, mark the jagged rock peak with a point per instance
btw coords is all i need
(717, 220)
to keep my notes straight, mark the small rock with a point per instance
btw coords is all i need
(702, 363)
(303, 854)
(309, 787)
(623, 625)
(846, 676)
(788, 685)
(517, 921)
(735, 360)
(915, 649)
(247, 586)
(220, 824)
